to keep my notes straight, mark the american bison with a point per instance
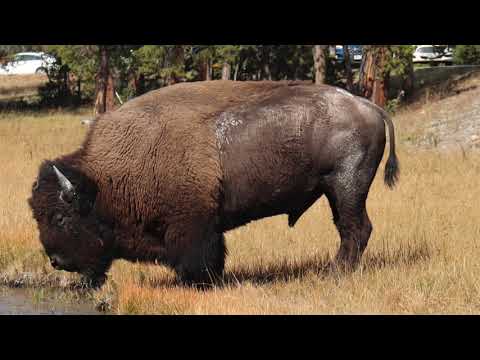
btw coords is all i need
(164, 176)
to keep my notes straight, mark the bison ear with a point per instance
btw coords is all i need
(67, 192)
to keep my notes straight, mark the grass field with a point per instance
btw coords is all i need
(423, 256)
(15, 86)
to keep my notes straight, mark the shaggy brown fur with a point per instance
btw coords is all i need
(164, 176)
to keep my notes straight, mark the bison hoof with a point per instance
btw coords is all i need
(201, 280)
(339, 268)
(93, 282)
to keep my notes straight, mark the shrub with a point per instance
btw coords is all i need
(467, 54)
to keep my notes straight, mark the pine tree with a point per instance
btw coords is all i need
(374, 78)
(98, 67)
(320, 61)
(467, 54)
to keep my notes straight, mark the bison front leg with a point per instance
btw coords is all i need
(201, 257)
(203, 265)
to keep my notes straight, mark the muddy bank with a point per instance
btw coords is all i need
(29, 302)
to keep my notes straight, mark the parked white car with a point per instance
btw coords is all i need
(433, 54)
(28, 63)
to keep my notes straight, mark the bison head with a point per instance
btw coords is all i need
(71, 232)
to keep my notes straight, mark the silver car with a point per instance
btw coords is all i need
(26, 63)
(433, 54)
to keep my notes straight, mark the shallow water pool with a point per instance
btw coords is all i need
(24, 302)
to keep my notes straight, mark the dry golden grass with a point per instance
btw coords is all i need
(423, 256)
(20, 85)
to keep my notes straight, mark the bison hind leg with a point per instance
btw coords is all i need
(347, 193)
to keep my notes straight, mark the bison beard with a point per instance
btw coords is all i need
(164, 176)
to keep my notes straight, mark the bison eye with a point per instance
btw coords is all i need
(66, 196)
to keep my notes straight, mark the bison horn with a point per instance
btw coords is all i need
(68, 190)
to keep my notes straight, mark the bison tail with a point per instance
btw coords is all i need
(392, 167)
(392, 171)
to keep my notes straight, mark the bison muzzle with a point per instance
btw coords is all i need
(162, 178)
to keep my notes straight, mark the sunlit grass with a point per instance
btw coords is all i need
(423, 256)
(12, 86)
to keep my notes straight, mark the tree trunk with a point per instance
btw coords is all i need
(203, 70)
(348, 67)
(79, 89)
(373, 82)
(266, 71)
(110, 93)
(105, 93)
(266, 74)
(365, 81)
(408, 83)
(66, 83)
(137, 82)
(235, 74)
(100, 83)
(380, 89)
(133, 83)
(331, 50)
(208, 70)
(320, 62)
(172, 79)
(226, 70)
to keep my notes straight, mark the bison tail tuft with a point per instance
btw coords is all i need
(392, 171)
(392, 167)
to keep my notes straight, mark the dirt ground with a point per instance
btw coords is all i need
(446, 117)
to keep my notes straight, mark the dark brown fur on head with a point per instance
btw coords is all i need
(72, 234)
